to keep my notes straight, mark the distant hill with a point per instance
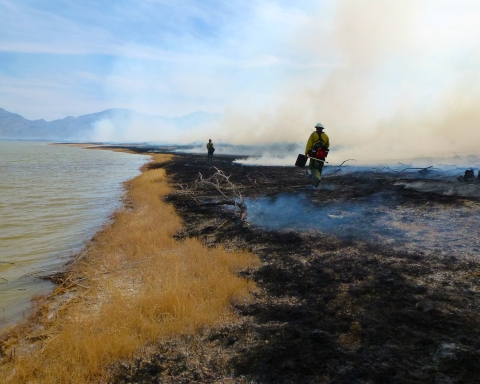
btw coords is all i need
(82, 128)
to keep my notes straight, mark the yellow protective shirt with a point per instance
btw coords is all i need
(209, 145)
(314, 138)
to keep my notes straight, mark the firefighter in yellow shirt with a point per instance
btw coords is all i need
(317, 148)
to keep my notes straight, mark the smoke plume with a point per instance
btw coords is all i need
(403, 86)
(390, 80)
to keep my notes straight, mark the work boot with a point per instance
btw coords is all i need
(317, 183)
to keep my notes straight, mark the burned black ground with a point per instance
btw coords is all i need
(391, 295)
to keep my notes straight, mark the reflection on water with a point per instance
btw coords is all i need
(52, 199)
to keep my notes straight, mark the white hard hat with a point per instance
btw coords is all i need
(319, 125)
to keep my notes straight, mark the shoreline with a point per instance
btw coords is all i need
(56, 277)
(381, 289)
(78, 285)
(53, 203)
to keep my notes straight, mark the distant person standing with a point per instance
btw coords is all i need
(317, 148)
(210, 149)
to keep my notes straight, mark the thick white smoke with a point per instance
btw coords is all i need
(390, 80)
(405, 87)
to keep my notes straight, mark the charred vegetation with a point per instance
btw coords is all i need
(363, 280)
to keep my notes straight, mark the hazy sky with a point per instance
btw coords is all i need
(170, 58)
(397, 69)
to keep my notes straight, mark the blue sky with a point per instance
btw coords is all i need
(367, 68)
(68, 57)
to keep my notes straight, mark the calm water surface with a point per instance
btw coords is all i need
(52, 200)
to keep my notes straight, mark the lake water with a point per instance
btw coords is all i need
(52, 200)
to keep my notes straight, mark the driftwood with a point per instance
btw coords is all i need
(230, 192)
(254, 182)
(421, 170)
(185, 190)
(63, 287)
(343, 162)
(54, 277)
(417, 168)
(221, 182)
(340, 166)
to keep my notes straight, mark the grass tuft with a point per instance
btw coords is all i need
(140, 285)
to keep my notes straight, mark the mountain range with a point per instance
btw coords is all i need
(82, 128)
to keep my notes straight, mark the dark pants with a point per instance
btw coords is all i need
(209, 157)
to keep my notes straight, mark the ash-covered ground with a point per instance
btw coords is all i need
(372, 278)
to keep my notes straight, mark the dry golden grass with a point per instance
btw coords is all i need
(140, 285)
